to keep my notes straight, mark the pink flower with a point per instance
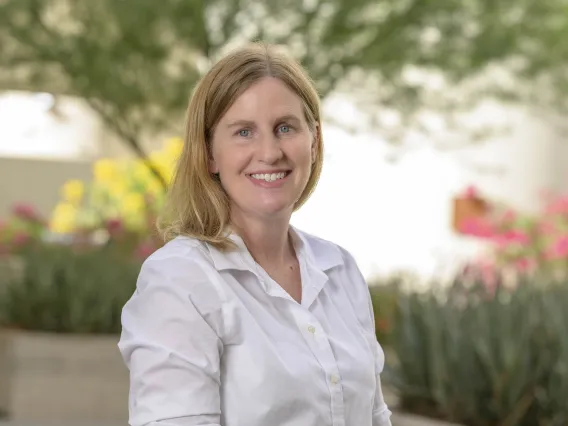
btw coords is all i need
(489, 276)
(547, 227)
(471, 192)
(20, 238)
(559, 249)
(477, 228)
(26, 212)
(509, 216)
(509, 238)
(558, 206)
(144, 250)
(524, 265)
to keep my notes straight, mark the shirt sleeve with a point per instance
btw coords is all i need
(381, 413)
(171, 346)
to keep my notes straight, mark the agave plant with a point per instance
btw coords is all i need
(484, 357)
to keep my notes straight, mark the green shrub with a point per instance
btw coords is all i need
(484, 357)
(384, 296)
(69, 290)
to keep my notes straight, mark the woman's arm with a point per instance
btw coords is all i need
(364, 306)
(170, 346)
(381, 413)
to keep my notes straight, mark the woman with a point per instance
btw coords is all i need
(240, 319)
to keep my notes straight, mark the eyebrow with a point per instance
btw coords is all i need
(248, 123)
(241, 123)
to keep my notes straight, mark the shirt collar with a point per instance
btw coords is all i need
(319, 253)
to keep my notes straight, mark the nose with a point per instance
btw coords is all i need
(269, 149)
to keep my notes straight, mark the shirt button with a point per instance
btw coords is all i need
(312, 329)
(334, 379)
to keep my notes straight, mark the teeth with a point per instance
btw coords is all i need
(269, 177)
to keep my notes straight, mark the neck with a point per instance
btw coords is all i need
(267, 241)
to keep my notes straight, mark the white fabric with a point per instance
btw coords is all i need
(211, 339)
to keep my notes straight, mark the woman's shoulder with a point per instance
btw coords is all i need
(180, 248)
(176, 280)
(182, 264)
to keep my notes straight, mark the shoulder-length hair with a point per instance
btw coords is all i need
(196, 204)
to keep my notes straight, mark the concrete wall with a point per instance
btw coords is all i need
(53, 379)
(36, 181)
(43, 144)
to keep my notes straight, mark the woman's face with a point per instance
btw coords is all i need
(263, 150)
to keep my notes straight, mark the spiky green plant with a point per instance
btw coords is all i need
(484, 356)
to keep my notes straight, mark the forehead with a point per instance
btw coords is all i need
(265, 99)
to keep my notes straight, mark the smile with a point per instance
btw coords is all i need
(269, 177)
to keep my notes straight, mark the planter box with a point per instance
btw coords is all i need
(467, 208)
(53, 378)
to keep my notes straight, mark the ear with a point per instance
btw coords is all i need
(213, 169)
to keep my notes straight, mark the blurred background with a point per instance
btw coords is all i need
(445, 129)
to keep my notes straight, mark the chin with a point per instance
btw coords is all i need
(274, 209)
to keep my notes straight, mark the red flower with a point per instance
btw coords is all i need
(114, 227)
(26, 212)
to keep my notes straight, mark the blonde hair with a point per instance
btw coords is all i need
(196, 204)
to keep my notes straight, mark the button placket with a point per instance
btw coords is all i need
(318, 342)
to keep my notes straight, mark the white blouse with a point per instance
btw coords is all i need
(210, 339)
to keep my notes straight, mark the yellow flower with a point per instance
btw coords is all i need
(153, 187)
(63, 218)
(140, 172)
(73, 191)
(163, 164)
(173, 148)
(133, 204)
(117, 188)
(105, 170)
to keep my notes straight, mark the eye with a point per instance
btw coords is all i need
(284, 128)
(245, 133)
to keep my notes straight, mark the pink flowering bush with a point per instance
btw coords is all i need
(22, 227)
(525, 243)
(77, 284)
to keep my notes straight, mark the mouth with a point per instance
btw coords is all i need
(269, 177)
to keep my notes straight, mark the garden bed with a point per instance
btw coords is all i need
(483, 355)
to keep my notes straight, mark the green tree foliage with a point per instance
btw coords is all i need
(135, 61)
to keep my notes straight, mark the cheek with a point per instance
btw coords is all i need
(231, 165)
(305, 154)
